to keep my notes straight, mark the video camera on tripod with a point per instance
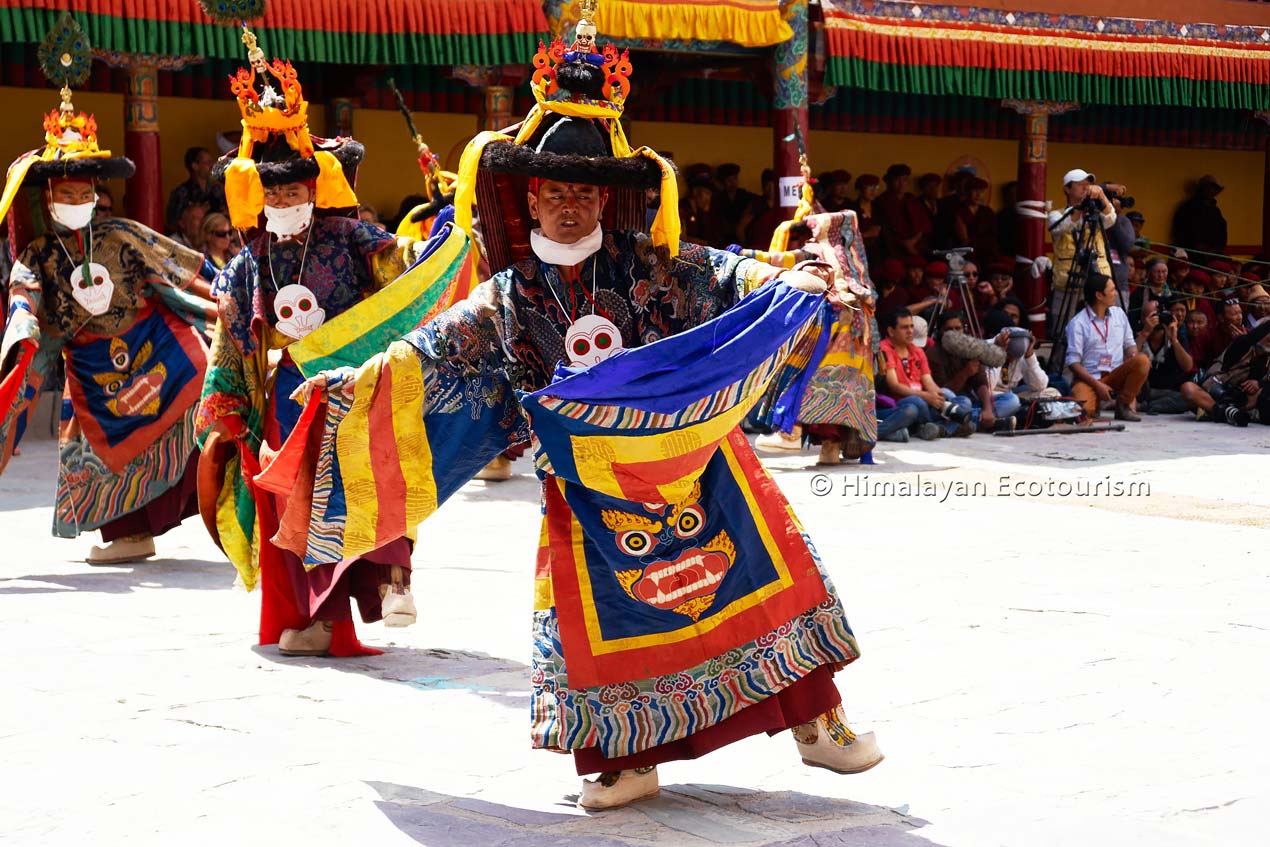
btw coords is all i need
(956, 259)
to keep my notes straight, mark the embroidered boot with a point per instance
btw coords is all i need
(315, 640)
(397, 603)
(827, 742)
(830, 453)
(615, 789)
(781, 442)
(130, 548)
(497, 470)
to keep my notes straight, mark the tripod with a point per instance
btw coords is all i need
(1084, 262)
(957, 277)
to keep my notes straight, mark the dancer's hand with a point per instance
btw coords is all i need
(307, 388)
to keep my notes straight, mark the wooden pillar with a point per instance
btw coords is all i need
(495, 111)
(1264, 117)
(1030, 208)
(789, 72)
(144, 195)
(339, 117)
(496, 108)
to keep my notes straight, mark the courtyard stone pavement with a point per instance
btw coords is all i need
(1065, 642)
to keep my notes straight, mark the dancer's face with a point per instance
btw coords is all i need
(566, 211)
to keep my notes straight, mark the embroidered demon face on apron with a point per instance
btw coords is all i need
(590, 340)
(92, 292)
(297, 311)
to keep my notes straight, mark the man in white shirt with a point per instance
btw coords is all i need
(1102, 354)
(1078, 186)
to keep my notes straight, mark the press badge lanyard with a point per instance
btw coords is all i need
(1104, 361)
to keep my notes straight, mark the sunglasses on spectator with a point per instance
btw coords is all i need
(221, 233)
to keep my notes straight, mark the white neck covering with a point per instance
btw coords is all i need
(565, 255)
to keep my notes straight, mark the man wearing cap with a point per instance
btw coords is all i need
(1198, 223)
(1064, 226)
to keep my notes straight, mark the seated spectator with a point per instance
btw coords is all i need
(764, 215)
(190, 226)
(934, 286)
(1101, 353)
(905, 377)
(199, 189)
(105, 207)
(837, 192)
(1179, 267)
(923, 209)
(1196, 329)
(1228, 326)
(368, 214)
(732, 201)
(1194, 289)
(1136, 218)
(697, 214)
(1234, 390)
(1171, 364)
(867, 188)
(1155, 288)
(974, 224)
(966, 377)
(1222, 272)
(914, 271)
(891, 295)
(218, 243)
(1258, 306)
(1022, 373)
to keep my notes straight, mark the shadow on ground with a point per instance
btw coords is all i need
(500, 681)
(683, 814)
(191, 574)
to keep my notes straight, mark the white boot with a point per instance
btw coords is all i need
(398, 607)
(315, 640)
(497, 470)
(616, 789)
(827, 742)
(779, 442)
(130, 548)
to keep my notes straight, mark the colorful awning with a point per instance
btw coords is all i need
(350, 32)
(909, 48)
(749, 23)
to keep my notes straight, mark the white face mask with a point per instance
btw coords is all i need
(566, 255)
(289, 221)
(73, 215)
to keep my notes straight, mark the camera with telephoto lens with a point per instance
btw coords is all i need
(1092, 205)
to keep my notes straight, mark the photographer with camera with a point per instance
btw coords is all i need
(1067, 229)
(1171, 363)
(1120, 236)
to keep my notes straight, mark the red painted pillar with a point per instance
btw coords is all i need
(144, 197)
(1033, 290)
(1265, 206)
(786, 161)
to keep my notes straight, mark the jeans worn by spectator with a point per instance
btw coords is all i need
(1004, 405)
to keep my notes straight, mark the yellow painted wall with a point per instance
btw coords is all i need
(1157, 176)
(391, 171)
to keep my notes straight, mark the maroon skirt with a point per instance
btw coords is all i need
(811, 696)
(163, 512)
